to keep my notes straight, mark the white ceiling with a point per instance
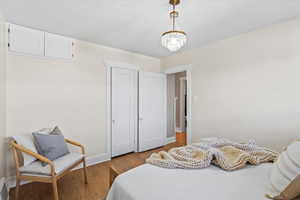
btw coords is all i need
(136, 25)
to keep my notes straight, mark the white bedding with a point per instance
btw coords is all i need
(148, 182)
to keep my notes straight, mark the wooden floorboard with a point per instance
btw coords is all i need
(72, 187)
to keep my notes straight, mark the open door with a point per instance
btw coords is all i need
(152, 110)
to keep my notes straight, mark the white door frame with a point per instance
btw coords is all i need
(188, 70)
(109, 65)
(182, 101)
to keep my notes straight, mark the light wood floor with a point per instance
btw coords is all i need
(72, 187)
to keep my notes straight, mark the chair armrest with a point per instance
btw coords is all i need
(76, 144)
(31, 153)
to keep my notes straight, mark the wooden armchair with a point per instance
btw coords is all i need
(49, 174)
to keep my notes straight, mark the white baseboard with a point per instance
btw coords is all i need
(3, 185)
(11, 182)
(90, 160)
(2, 182)
(96, 159)
(178, 130)
(170, 140)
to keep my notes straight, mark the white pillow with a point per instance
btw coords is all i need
(27, 141)
(285, 174)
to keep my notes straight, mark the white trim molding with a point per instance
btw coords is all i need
(110, 64)
(178, 130)
(3, 189)
(11, 182)
(170, 140)
(108, 110)
(2, 183)
(189, 106)
(96, 159)
(183, 86)
(176, 69)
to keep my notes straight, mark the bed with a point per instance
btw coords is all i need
(148, 182)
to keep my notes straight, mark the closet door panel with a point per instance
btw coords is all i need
(57, 46)
(152, 110)
(124, 110)
(26, 40)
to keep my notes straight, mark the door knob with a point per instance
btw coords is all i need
(140, 118)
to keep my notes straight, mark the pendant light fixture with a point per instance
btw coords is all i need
(174, 39)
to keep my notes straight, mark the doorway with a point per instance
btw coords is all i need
(171, 104)
(177, 109)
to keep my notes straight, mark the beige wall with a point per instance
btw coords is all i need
(244, 87)
(247, 86)
(2, 97)
(71, 94)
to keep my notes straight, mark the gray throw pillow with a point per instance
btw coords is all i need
(52, 145)
(56, 131)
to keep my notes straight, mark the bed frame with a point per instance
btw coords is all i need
(113, 173)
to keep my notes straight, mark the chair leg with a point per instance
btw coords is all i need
(54, 185)
(85, 172)
(17, 188)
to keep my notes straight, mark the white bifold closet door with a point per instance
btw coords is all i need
(124, 110)
(152, 110)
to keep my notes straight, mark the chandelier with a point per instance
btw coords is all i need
(173, 39)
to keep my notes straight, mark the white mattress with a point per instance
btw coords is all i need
(149, 182)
